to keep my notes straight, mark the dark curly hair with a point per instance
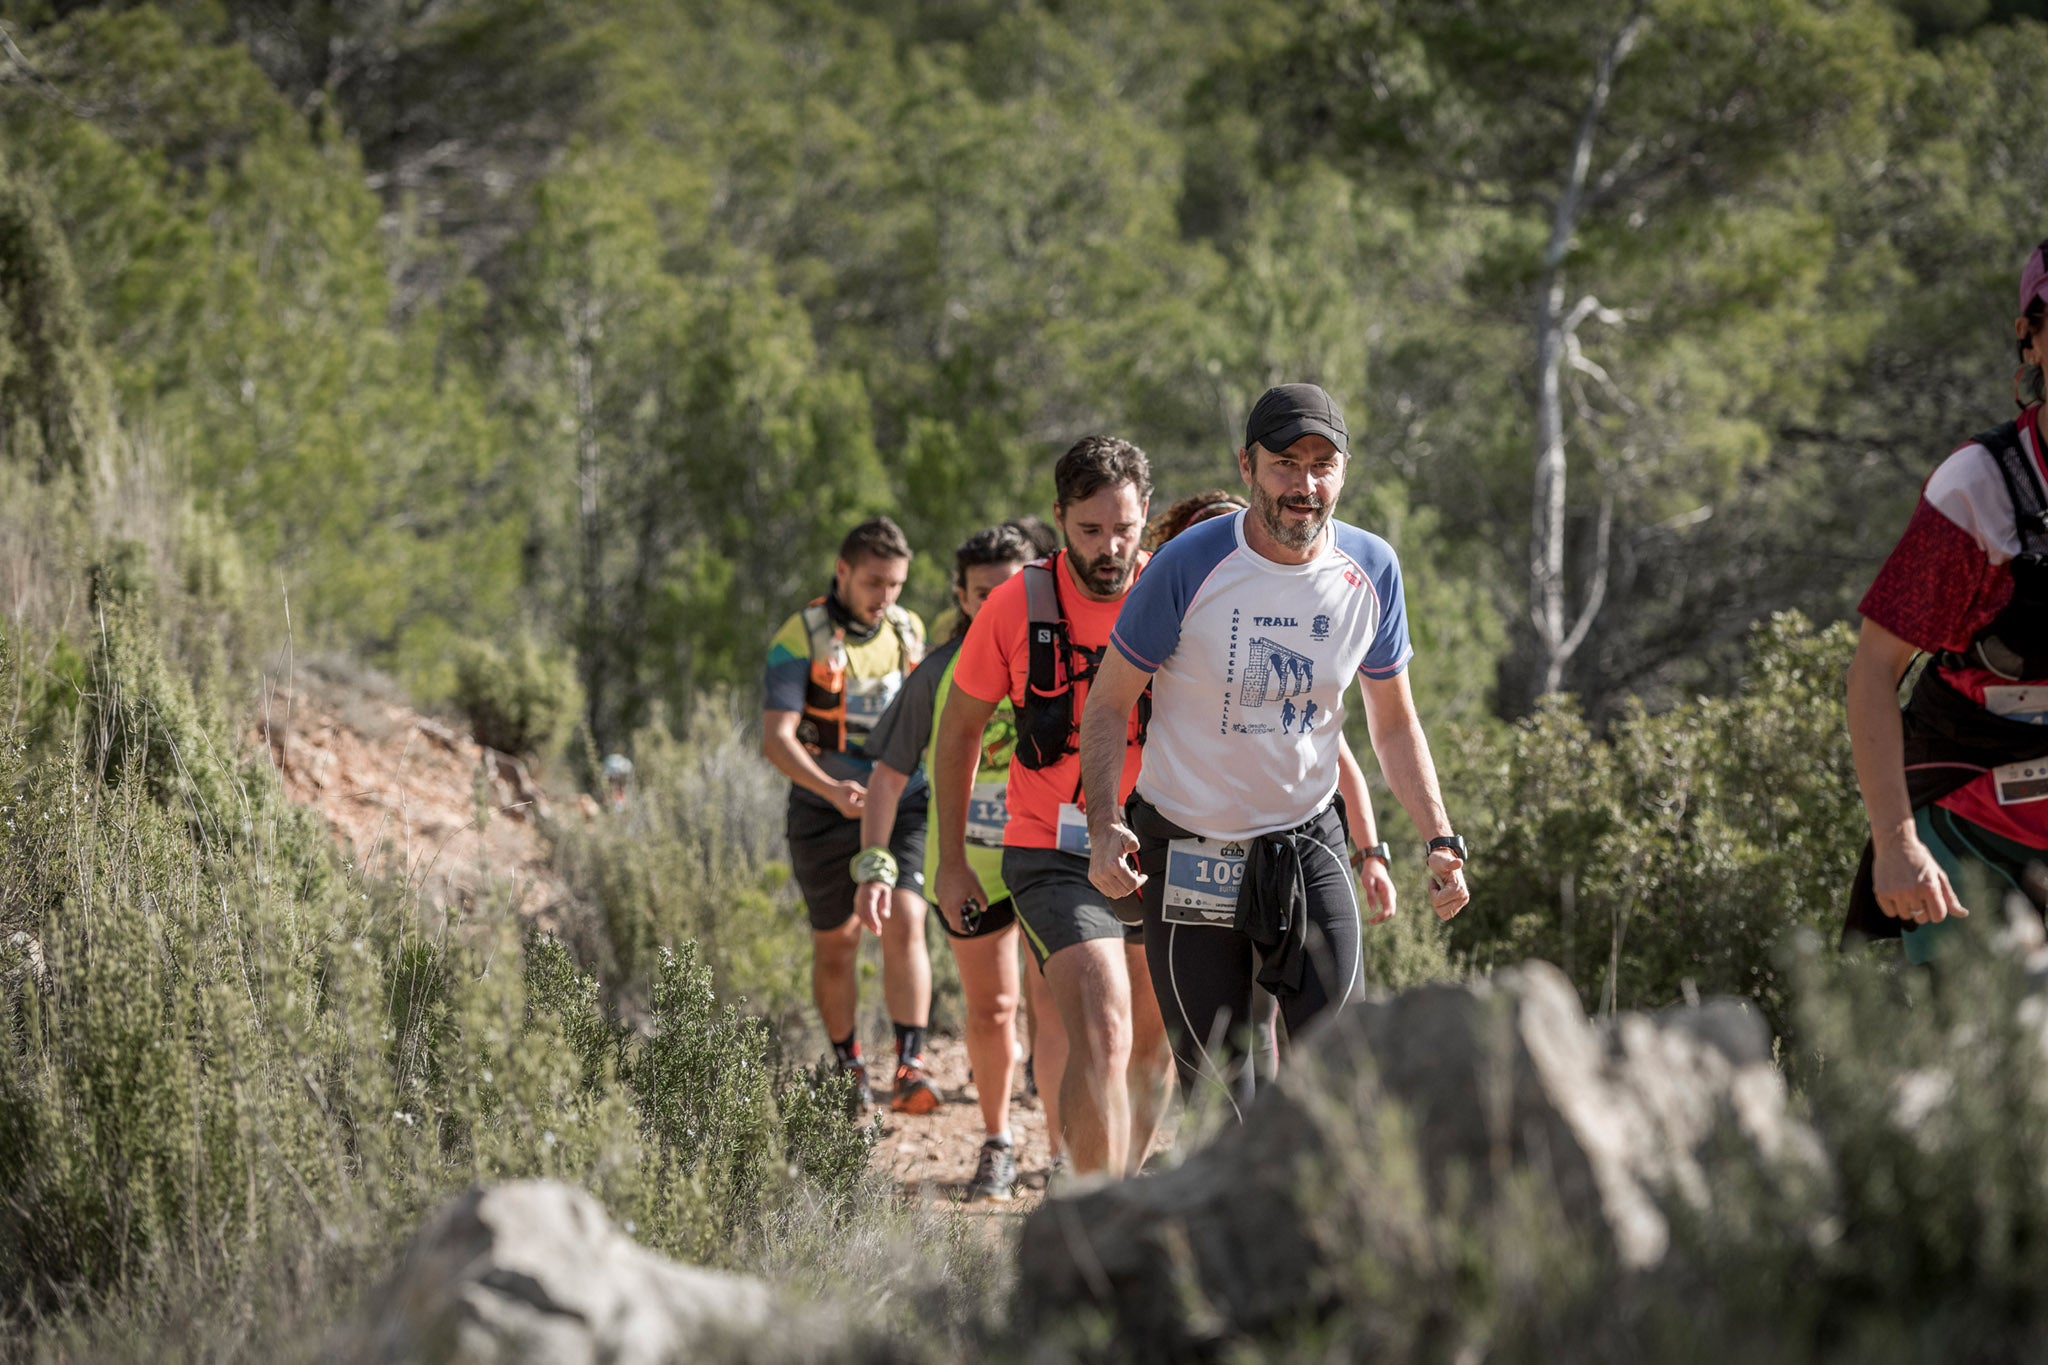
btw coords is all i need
(1003, 544)
(1215, 502)
(1094, 463)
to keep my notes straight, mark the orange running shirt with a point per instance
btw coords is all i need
(995, 661)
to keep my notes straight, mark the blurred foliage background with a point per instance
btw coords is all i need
(596, 324)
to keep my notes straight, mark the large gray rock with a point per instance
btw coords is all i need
(1500, 1083)
(535, 1272)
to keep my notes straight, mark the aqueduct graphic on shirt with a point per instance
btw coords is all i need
(1273, 672)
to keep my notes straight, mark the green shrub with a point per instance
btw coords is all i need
(520, 699)
(1926, 1242)
(695, 858)
(226, 1065)
(698, 857)
(1679, 852)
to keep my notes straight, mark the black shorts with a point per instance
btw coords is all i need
(823, 844)
(993, 920)
(1057, 904)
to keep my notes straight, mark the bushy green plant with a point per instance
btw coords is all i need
(1411, 948)
(1929, 1240)
(223, 1059)
(695, 857)
(519, 699)
(1925, 1240)
(1681, 850)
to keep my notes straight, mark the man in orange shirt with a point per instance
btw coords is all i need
(1038, 641)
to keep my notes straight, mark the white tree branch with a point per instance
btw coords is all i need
(1564, 223)
(1596, 594)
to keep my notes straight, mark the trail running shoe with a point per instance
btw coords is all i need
(861, 1099)
(995, 1173)
(915, 1093)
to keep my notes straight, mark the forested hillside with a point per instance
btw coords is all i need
(597, 323)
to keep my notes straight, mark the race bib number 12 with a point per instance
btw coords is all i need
(1202, 878)
(988, 811)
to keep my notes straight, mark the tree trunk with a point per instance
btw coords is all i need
(1554, 326)
(589, 508)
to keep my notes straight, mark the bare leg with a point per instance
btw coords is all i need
(1151, 1067)
(834, 986)
(988, 979)
(1092, 989)
(1033, 982)
(1048, 1053)
(906, 965)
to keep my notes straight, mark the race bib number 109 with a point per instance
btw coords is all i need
(1202, 878)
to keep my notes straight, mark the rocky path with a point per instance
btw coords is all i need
(933, 1155)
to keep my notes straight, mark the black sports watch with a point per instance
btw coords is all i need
(1378, 850)
(1454, 842)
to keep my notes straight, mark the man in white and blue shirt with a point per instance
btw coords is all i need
(1249, 629)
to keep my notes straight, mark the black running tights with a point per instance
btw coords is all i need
(1204, 974)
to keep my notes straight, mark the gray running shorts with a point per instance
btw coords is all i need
(1058, 906)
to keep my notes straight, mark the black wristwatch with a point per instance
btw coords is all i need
(1454, 842)
(1378, 850)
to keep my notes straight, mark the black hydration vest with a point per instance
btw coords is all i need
(1045, 722)
(2015, 644)
(1949, 739)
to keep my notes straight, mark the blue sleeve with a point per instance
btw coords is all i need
(1390, 650)
(1148, 628)
(789, 667)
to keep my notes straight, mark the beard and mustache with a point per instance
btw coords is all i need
(1109, 575)
(1273, 515)
(1106, 575)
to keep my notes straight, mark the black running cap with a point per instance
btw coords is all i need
(1288, 412)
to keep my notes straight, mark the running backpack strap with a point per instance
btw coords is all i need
(2022, 485)
(818, 627)
(1042, 610)
(822, 727)
(1045, 722)
(909, 636)
(2015, 645)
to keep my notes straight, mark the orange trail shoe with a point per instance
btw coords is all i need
(915, 1093)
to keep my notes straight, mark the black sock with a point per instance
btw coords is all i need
(909, 1042)
(847, 1051)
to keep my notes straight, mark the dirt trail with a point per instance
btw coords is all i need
(932, 1156)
